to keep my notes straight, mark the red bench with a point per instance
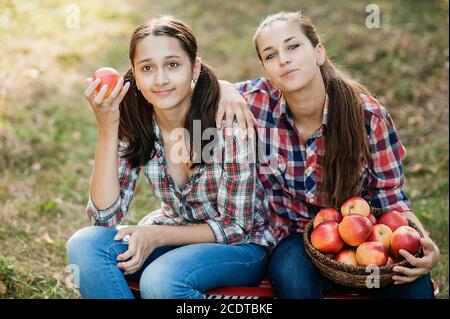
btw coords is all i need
(265, 291)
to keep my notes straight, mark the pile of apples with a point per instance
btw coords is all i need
(354, 236)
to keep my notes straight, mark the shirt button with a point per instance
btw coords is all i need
(309, 170)
(311, 200)
(282, 166)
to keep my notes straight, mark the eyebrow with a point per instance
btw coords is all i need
(166, 57)
(287, 40)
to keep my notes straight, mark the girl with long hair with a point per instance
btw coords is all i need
(330, 140)
(212, 228)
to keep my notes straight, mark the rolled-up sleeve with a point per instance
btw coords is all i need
(386, 175)
(236, 190)
(114, 215)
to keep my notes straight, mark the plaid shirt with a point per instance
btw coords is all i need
(291, 171)
(225, 194)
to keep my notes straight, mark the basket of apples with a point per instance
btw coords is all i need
(358, 246)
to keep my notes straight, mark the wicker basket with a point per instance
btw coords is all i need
(349, 275)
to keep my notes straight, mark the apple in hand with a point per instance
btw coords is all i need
(354, 229)
(381, 233)
(371, 253)
(407, 238)
(355, 205)
(107, 76)
(393, 220)
(327, 214)
(347, 256)
(325, 238)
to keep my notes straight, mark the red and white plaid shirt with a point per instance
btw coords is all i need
(227, 195)
(293, 184)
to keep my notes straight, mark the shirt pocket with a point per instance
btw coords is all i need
(274, 171)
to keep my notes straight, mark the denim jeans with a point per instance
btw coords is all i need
(294, 276)
(182, 272)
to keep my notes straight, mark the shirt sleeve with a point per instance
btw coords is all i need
(114, 214)
(386, 175)
(242, 87)
(236, 190)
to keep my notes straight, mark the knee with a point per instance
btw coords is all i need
(157, 282)
(289, 254)
(84, 241)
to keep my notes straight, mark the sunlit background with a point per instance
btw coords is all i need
(48, 131)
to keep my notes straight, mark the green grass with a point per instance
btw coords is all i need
(48, 132)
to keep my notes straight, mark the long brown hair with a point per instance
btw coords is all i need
(136, 126)
(346, 140)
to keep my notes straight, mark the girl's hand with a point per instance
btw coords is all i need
(106, 110)
(140, 246)
(231, 105)
(421, 265)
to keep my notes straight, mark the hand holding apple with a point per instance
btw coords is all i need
(422, 265)
(108, 76)
(106, 110)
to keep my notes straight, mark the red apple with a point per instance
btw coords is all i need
(372, 219)
(354, 229)
(393, 219)
(381, 233)
(407, 238)
(107, 76)
(325, 238)
(327, 214)
(371, 253)
(347, 256)
(355, 205)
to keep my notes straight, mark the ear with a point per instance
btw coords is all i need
(320, 53)
(197, 68)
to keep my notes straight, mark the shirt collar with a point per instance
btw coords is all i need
(157, 130)
(281, 108)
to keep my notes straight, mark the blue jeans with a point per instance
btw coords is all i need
(182, 272)
(294, 276)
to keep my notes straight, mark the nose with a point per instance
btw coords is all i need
(161, 78)
(284, 58)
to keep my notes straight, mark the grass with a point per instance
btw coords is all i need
(48, 133)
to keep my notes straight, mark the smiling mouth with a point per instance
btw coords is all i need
(288, 72)
(163, 93)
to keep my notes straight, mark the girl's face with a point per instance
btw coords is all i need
(288, 57)
(163, 71)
